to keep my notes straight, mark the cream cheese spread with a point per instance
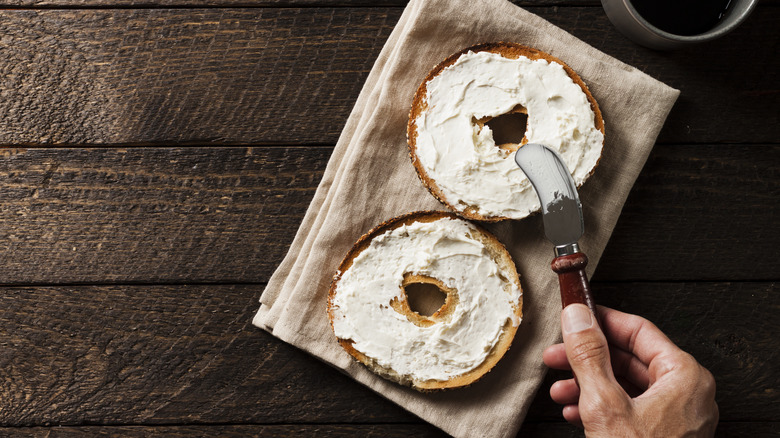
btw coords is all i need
(447, 250)
(463, 159)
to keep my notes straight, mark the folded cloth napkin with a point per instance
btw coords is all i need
(370, 179)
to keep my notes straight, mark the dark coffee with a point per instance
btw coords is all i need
(682, 17)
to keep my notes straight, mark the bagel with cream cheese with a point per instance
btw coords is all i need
(452, 146)
(369, 307)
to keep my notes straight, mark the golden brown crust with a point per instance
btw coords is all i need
(442, 315)
(497, 251)
(420, 104)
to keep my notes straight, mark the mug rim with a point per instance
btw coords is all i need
(711, 34)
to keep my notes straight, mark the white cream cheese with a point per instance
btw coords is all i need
(445, 250)
(464, 160)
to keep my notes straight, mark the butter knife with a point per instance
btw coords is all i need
(562, 217)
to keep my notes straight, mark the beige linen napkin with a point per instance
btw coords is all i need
(370, 179)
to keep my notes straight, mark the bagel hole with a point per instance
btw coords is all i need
(509, 129)
(424, 298)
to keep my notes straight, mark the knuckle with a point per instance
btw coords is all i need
(708, 382)
(640, 325)
(679, 362)
(688, 365)
(687, 360)
(715, 413)
(589, 351)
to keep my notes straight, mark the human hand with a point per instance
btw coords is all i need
(640, 384)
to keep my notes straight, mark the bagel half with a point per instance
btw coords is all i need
(420, 106)
(452, 312)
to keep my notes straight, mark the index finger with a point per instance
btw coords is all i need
(635, 334)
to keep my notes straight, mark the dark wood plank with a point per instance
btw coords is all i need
(260, 76)
(182, 75)
(700, 212)
(151, 215)
(266, 3)
(165, 355)
(238, 431)
(43, 4)
(547, 429)
(228, 214)
(187, 354)
(724, 430)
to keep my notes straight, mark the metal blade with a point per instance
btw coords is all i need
(561, 207)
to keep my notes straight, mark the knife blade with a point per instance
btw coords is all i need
(562, 218)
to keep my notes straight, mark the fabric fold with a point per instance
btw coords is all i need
(370, 179)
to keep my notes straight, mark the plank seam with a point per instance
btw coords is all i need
(130, 283)
(283, 144)
(292, 5)
(316, 423)
(264, 284)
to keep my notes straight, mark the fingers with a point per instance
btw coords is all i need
(635, 335)
(627, 366)
(679, 370)
(571, 413)
(565, 392)
(624, 364)
(555, 357)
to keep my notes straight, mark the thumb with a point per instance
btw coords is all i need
(586, 349)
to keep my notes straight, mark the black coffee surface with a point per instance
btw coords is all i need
(682, 17)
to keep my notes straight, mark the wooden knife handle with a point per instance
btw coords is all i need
(575, 287)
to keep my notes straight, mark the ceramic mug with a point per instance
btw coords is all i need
(630, 23)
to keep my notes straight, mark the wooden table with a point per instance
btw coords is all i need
(161, 154)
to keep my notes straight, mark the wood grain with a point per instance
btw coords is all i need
(156, 354)
(173, 215)
(43, 4)
(279, 75)
(107, 4)
(161, 75)
(132, 270)
(151, 215)
(545, 429)
(699, 213)
(240, 431)
(181, 354)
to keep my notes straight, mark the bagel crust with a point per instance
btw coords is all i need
(370, 313)
(479, 182)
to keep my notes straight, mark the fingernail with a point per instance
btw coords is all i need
(576, 318)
